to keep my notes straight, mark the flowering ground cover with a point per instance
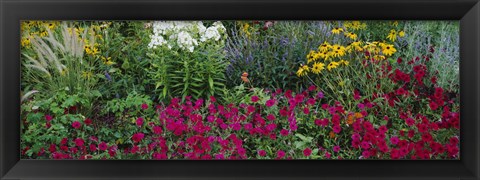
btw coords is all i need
(240, 90)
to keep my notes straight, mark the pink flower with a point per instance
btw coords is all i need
(137, 137)
(270, 102)
(307, 152)
(139, 121)
(271, 117)
(262, 153)
(254, 98)
(284, 132)
(76, 125)
(144, 106)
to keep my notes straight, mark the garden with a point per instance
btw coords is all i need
(228, 90)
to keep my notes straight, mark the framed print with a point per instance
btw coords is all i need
(239, 89)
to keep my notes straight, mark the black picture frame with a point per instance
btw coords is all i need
(13, 11)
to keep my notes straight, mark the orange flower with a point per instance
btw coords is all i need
(350, 119)
(332, 134)
(245, 77)
(358, 115)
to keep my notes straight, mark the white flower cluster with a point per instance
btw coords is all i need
(184, 34)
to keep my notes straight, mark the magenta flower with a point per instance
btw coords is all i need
(48, 117)
(262, 153)
(79, 142)
(284, 132)
(137, 137)
(307, 152)
(394, 140)
(157, 130)
(144, 106)
(102, 146)
(254, 98)
(336, 148)
(270, 102)
(76, 125)
(280, 154)
(139, 121)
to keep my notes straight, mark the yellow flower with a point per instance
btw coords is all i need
(395, 23)
(318, 67)
(338, 51)
(346, 63)
(337, 30)
(25, 42)
(43, 34)
(351, 35)
(332, 65)
(357, 46)
(324, 47)
(379, 57)
(51, 25)
(245, 29)
(87, 75)
(107, 60)
(401, 33)
(311, 56)
(392, 36)
(388, 50)
(302, 70)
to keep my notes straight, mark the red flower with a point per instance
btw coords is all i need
(87, 121)
(394, 140)
(280, 154)
(262, 153)
(284, 132)
(336, 148)
(157, 130)
(48, 117)
(79, 142)
(139, 121)
(93, 147)
(307, 152)
(270, 102)
(254, 98)
(137, 137)
(433, 105)
(356, 94)
(76, 125)
(52, 148)
(102, 146)
(144, 106)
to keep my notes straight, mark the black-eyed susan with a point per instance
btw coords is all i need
(392, 36)
(302, 70)
(310, 56)
(401, 33)
(388, 50)
(324, 47)
(337, 30)
(351, 35)
(332, 65)
(318, 67)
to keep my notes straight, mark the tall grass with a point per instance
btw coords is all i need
(57, 62)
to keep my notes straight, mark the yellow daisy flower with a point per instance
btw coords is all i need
(332, 65)
(337, 30)
(318, 67)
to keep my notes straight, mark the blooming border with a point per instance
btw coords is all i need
(467, 11)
